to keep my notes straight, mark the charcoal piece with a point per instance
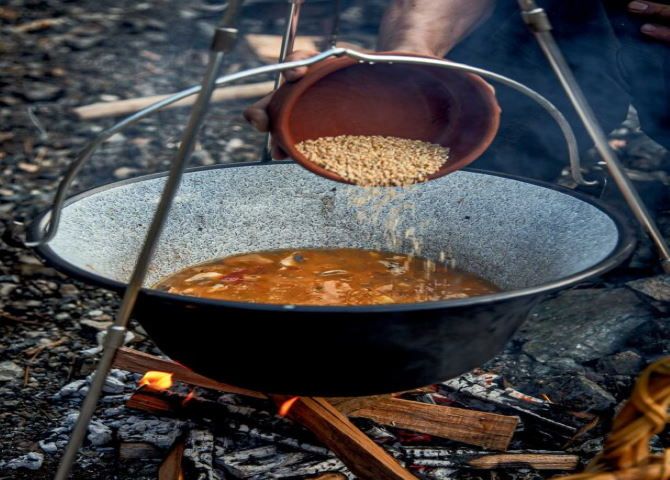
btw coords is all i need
(198, 462)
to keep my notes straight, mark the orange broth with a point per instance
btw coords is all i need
(342, 276)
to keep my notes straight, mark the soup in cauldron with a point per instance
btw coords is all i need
(341, 276)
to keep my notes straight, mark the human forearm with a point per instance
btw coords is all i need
(430, 27)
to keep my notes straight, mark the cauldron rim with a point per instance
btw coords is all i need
(625, 245)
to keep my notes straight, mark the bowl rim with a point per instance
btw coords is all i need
(623, 249)
(290, 94)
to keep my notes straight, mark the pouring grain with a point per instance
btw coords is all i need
(376, 160)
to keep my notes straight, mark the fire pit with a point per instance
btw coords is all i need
(528, 238)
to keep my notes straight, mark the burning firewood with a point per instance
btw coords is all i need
(483, 429)
(140, 362)
(467, 426)
(364, 458)
(225, 416)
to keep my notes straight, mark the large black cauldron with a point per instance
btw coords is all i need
(529, 239)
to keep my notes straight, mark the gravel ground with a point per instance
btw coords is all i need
(56, 55)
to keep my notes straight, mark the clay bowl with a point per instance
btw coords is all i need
(341, 96)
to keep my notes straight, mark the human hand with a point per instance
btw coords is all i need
(656, 15)
(257, 115)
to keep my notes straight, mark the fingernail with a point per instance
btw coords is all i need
(638, 6)
(648, 28)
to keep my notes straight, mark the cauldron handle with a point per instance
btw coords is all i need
(44, 233)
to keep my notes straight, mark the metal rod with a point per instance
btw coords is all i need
(287, 43)
(335, 29)
(41, 237)
(116, 333)
(539, 23)
(288, 39)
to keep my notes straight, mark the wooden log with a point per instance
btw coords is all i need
(469, 459)
(487, 430)
(365, 459)
(132, 105)
(535, 461)
(140, 362)
(171, 468)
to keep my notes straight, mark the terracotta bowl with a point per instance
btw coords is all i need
(341, 96)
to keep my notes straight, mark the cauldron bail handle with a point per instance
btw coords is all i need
(46, 231)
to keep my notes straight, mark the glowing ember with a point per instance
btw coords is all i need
(188, 398)
(156, 380)
(286, 406)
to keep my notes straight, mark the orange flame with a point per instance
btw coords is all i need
(156, 380)
(286, 406)
(188, 398)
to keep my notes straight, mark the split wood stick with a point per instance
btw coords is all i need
(536, 461)
(437, 457)
(140, 362)
(132, 105)
(487, 430)
(365, 459)
(171, 468)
